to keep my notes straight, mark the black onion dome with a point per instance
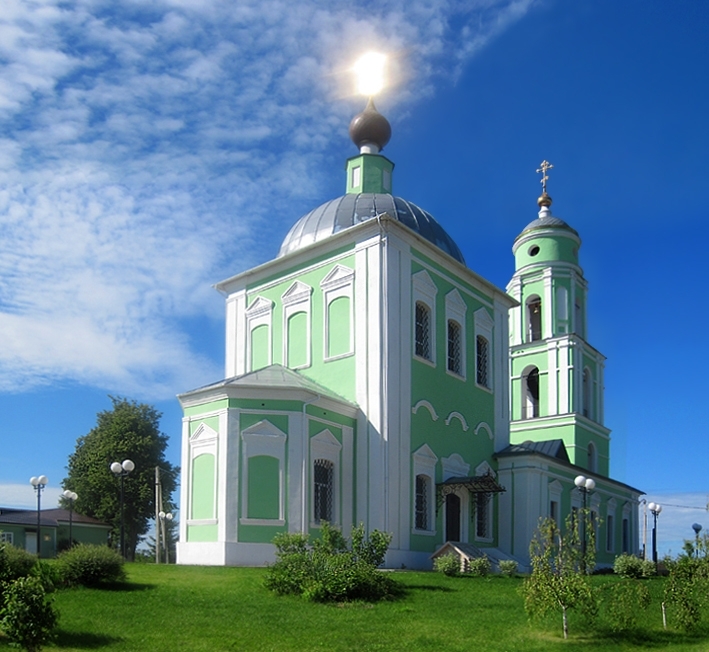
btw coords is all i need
(346, 211)
(370, 126)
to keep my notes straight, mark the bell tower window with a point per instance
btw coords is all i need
(530, 395)
(534, 316)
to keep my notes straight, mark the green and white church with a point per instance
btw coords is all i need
(372, 377)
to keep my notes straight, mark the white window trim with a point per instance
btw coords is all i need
(7, 537)
(324, 446)
(203, 441)
(456, 311)
(259, 313)
(263, 438)
(338, 283)
(424, 291)
(424, 463)
(298, 298)
(484, 326)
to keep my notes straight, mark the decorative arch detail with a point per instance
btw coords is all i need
(425, 404)
(485, 428)
(460, 417)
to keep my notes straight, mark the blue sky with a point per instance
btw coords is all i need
(149, 151)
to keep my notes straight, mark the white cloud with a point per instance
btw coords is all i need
(144, 148)
(674, 523)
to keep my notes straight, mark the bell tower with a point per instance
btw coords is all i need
(556, 375)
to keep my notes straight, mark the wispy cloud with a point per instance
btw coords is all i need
(146, 148)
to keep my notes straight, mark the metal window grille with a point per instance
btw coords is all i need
(423, 331)
(482, 357)
(455, 358)
(323, 476)
(421, 517)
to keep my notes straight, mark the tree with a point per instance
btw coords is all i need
(130, 430)
(559, 579)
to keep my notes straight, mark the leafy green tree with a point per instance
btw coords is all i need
(130, 430)
(559, 579)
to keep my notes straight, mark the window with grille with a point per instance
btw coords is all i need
(423, 331)
(610, 533)
(481, 516)
(483, 352)
(323, 476)
(422, 490)
(626, 535)
(455, 356)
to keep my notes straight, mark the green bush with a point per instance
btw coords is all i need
(327, 571)
(479, 567)
(15, 562)
(448, 564)
(27, 617)
(89, 565)
(508, 567)
(628, 566)
(623, 604)
(648, 568)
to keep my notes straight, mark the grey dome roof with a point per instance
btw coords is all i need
(349, 210)
(547, 221)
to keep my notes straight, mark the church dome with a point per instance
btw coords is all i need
(547, 221)
(351, 209)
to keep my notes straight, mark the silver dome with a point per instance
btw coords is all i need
(348, 210)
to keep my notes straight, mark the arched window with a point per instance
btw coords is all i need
(534, 317)
(323, 489)
(592, 457)
(587, 393)
(530, 394)
(422, 508)
(482, 516)
(455, 357)
(482, 351)
(423, 331)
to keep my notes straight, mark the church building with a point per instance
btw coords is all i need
(372, 377)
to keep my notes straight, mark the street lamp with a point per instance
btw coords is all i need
(164, 517)
(655, 509)
(39, 483)
(71, 496)
(585, 486)
(697, 529)
(121, 470)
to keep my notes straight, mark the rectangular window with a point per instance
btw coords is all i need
(356, 176)
(481, 516)
(455, 361)
(626, 535)
(423, 331)
(610, 533)
(323, 475)
(554, 511)
(482, 354)
(421, 516)
(6, 537)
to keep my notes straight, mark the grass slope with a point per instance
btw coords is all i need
(175, 608)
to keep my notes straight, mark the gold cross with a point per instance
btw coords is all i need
(544, 167)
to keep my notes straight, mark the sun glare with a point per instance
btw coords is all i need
(369, 70)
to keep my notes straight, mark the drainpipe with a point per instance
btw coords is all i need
(304, 466)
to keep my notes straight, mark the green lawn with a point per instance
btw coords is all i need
(193, 608)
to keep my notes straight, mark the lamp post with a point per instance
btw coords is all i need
(39, 483)
(71, 496)
(585, 486)
(121, 470)
(697, 529)
(164, 517)
(655, 509)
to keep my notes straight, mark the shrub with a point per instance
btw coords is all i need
(15, 562)
(648, 568)
(479, 567)
(327, 571)
(89, 565)
(448, 564)
(27, 617)
(625, 601)
(508, 567)
(628, 566)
